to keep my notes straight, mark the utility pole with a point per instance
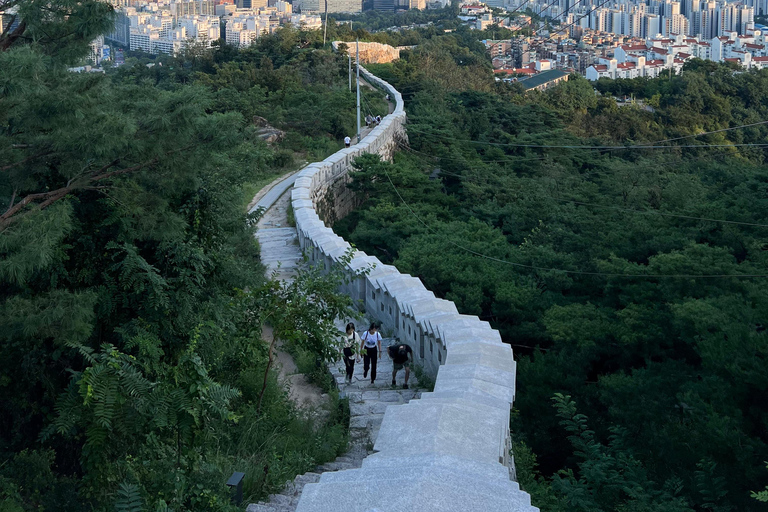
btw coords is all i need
(325, 29)
(349, 56)
(357, 59)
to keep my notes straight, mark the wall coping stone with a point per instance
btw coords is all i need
(420, 310)
(446, 451)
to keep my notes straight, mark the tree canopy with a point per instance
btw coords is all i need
(616, 273)
(132, 298)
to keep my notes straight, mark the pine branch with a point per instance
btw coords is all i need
(7, 40)
(21, 204)
(106, 175)
(25, 160)
(6, 5)
(48, 198)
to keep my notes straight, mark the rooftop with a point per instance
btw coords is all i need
(542, 78)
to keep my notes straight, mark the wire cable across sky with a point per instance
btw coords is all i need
(581, 146)
(552, 269)
(593, 205)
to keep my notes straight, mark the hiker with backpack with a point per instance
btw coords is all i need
(371, 349)
(349, 341)
(402, 357)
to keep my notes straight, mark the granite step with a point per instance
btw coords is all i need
(335, 466)
(269, 507)
(275, 231)
(428, 491)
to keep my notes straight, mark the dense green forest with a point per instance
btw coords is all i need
(132, 369)
(619, 274)
(629, 279)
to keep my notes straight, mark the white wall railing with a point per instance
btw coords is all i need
(449, 450)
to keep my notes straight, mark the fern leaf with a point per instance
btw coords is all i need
(128, 499)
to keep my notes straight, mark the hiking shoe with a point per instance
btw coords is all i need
(405, 386)
(365, 374)
(393, 382)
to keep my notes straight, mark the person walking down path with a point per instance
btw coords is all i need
(371, 348)
(350, 341)
(402, 357)
(347, 141)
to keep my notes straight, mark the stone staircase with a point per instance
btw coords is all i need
(280, 253)
(368, 402)
(367, 405)
(288, 498)
(278, 242)
(447, 451)
(280, 250)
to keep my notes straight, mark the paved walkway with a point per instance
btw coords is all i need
(280, 252)
(279, 242)
(367, 402)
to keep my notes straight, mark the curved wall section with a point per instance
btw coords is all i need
(450, 449)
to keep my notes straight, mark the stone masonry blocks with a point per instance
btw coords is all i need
(448, 450)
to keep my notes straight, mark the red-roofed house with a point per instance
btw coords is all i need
(744, 57)
(653, 68)
(700, 49)
(625, 51)
(628, 70)
(528, 70)
(605, 68)
(760, 62)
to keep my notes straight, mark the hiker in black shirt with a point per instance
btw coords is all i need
(402, 357)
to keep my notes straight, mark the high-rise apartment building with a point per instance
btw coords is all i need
(600, 19)
(708, 25)
(384, 5)
(652, 25)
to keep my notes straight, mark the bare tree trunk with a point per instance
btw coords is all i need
(266, 373)
(10, 37)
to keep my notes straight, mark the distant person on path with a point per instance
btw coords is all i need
(402, 357)
(387, 97)
(347, 141)
(368, 120)
(371, 348)
(378, 119)
(349, 341)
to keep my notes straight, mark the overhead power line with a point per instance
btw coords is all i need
(663, 214)
(559, 15)
(550, 4)
(617, 208)
(513, 11)
(580, 18)
(581, 146)
(552, 269)
(713, 131)
(508, 159)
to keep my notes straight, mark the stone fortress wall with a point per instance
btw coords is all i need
(376, 53)
(449, 450)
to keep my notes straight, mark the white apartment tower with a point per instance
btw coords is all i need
(652, 25)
